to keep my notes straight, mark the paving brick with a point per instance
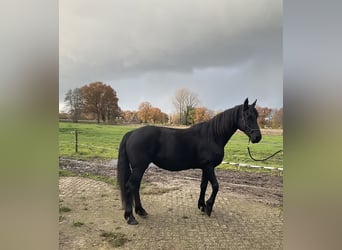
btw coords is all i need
(174, 221)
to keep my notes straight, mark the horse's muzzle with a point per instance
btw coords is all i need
(255, 138)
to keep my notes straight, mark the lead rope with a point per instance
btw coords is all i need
(249, 152)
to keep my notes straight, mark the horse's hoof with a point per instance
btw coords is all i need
(202, 208)
(132, 221)
(144, 216)
(208, 210)
(142, 213)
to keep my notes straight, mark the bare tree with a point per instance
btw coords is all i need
(74, 102)
(185, 101)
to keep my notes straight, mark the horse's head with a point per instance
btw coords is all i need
(248, 122)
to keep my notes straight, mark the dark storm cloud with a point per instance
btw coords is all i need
(177, 41)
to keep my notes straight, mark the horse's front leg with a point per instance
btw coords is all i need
(204, 184)
(210, 174)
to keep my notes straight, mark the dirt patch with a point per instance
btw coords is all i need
(150, 188)
(262, 187)
(115, 239)
(247, 213)
(270, 131)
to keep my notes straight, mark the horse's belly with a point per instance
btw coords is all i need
(173, 166)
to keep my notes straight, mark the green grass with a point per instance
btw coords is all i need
(115, 239)
(236, 150)
(66, 173)
(102, 142)
(94, 141)
(106, 179)
(78, 224)
(64, 209)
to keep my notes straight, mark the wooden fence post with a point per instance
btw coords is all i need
(76, 141)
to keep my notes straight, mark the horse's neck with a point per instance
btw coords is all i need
(229, 121)
(223, 140)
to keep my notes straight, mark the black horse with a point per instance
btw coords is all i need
(200, 146)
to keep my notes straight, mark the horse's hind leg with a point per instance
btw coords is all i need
(132, 185)
(138, 207)
(137, 202)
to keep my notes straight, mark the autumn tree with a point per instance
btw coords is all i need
(202, 114)
(74, 103)
(109, 104)
(130, 116)
(145, 112)
(164, 118)
(185, 101)
(158, 116)
(264, 117)
(149, 114)
(101, 100)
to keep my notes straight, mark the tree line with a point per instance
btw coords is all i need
(92, 101)
(98, 101)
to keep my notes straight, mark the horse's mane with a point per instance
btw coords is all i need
(224, 121)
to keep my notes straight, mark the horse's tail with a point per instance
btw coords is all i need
(123, 168)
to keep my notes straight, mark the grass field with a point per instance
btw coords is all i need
(94, 141)
(102, 142)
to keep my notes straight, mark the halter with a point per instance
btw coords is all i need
(246, 126)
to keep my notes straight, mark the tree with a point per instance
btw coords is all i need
(173, 118)
(130, 116)
(202, 114)
(265, 117)
(101, 100)
(184, 101)
(74, 102)
(164, 118)
(110, 104)
(149, 114)
(277, 118)
(145, 112)
(158, 116)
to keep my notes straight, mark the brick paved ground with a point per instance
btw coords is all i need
(237, 222)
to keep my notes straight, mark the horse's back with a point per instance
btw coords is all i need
(168, 148)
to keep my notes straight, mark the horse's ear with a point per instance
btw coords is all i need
(245, 104)
(253, 104)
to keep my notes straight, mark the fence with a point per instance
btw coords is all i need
(76, 145)
(97, 151)
(244, 165)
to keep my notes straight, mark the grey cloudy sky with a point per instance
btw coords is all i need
(224, 50)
